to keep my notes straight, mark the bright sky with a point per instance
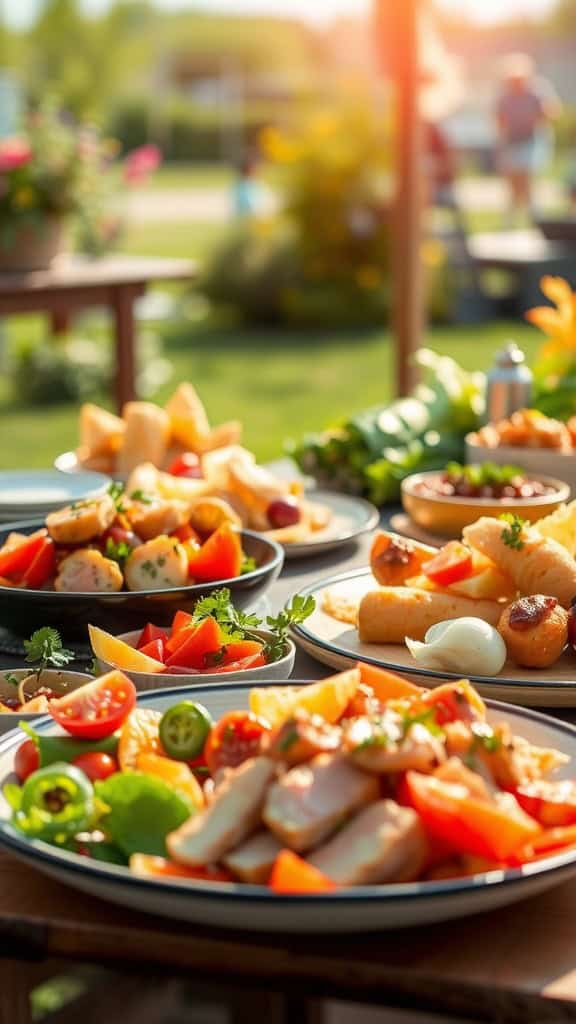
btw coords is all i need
(19, 12)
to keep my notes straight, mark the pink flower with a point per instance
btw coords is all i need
(14, 152)
(140, 163)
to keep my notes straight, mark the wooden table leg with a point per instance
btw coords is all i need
(15, 988)
(123, 299)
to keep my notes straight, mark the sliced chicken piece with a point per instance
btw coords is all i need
(82, 521)
(253, 860)
(312, 800)
(302, 737)
(150, 516)
(383, 843)
(232, 816)
(157, 565)
(88, 572)
(513, 760)
(383, 744)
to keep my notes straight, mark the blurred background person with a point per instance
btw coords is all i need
(525, 109)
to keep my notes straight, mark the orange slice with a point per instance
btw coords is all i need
(328, 698)
(119, 654)
(176, 774)
(139, 735)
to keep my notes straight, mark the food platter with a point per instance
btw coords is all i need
(350, 518)
(337, 644)
(256, 908)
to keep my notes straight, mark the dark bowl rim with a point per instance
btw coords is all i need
(277, 561)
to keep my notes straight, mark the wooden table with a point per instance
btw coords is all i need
(514, 965)
(74, 283)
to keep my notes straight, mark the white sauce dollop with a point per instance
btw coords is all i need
(466, 646)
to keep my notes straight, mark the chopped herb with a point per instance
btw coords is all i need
(141, 496)
(512, 534)
(150, 568)
(484, 737)
(11, 678)
(116, 492)
(426, 718)
(162, 560)
(248, 565)
(94, 667)
(237, 625)
(299, 610)
(289, 740)
(117, 552)
(214, 657)
(45, 647)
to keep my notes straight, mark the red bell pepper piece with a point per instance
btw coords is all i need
(219, 558)
(42, 566)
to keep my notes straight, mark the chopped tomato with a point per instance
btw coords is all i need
(97, 709)
(195, 643)
(155, 649)
(42, 566)
(253, 661)
(180, 670)
(546, 844)
(182, 620)
(19, 558)
(186, 532)
(219, 558)
(452, 563)
(237, 650)
(387, 685)
(551, 803)
(291, 874)
(96, 764)
(187, 464)
(146, 866)
(234, 739)
(455, 702)
(150, 633)
(26, 760)
(469, 825)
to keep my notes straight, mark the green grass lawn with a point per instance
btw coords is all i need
(183, 176)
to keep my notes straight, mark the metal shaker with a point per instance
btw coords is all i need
(508, 384)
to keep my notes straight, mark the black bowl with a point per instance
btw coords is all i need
(23, 611)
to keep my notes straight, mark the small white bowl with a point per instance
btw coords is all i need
(277, 670)
(60, 682)
(538, 461)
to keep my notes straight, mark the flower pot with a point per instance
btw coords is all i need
(29, 246)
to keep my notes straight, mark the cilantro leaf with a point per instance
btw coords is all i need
(512, 534)
(141, 496)
(117, 551)
(45, 647)
(116, 492)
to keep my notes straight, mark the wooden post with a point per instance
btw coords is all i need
(397, 28)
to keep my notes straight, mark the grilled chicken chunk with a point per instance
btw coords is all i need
(383, 843)
(382, 744)
(82, 521)
(232, 816)
(253, 860)
(88, 572)
(156, 565)
(150, 518)
(310, 801)
(302, 737)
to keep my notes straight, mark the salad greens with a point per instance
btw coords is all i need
(372, 452)
(140, 812)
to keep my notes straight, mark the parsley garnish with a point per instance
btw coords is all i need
(512, 534)
(291, 737)
(11, 678)
(45, 647)
(426, 718)
(248, 565)
(116, 492)
(117, 552)
(237, 625)
(482, 736)
(141, 496)
(299, 610)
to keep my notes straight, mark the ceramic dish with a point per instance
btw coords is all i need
(32, 492)
(447, 516)
(536, 461)
(67, 462)
(23, 611)
(255, 908)
(351, 517)
(281, 669)
(59, 682)
(338, 645)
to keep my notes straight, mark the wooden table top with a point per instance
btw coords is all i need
(73, 272)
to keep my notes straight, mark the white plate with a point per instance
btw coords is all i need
(351, 517)
(338, 645)
(22, 491)
(254, 908)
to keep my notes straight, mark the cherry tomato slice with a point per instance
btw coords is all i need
(187, 464)
(26, 760)
(234, 739)
(452, 563)
(97, 709)
(42, 566)
(96, 765)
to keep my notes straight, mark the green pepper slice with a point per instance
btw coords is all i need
(184, 730)
(55, 804)
(52, 749)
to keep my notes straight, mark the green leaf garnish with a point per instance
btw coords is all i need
(248, 565)
(141, 496)
(117, 551)
(116, 492)
(140, 812)
(45, 647)
(237, 625)
(512, 534)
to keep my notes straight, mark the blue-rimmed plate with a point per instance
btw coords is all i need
(337, 644)
(255, 908)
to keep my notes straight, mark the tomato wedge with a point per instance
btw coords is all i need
(291, 874)
(20, 557)
(466, 823)
(452, 563)
(253, 661)
(42, 566)
(155, 649)
(553, 804)
(237, 650)
(549, 842)
(195, 643)
(185, 533)
(219, 558)
(97, 709)
(188, 464)
(234, 739)
(150, 633)
(455, 702)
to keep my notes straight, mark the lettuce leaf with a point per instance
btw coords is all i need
(140, 812)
